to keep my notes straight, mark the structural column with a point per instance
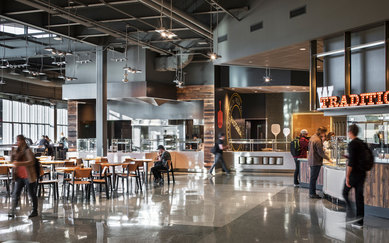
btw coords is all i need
(387, 55)
(101, 101)
(313, 76)
(55, 124)
(347, 63)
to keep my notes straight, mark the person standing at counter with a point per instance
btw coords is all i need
(315, 159)
(355, 175)
(303, 142)
(217, 150)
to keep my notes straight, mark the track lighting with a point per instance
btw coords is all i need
(214, 56)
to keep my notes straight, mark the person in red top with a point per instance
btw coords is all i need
(303, 141)
(24, 176)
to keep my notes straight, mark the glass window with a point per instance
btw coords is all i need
(32, 121)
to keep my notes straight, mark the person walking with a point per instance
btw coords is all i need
(303, 142)
(217, 150)
(315, 159)
(355, 175)
(24, 175)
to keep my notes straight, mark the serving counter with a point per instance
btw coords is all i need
(259, 161)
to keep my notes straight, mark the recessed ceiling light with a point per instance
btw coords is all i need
(303, 49)
(256, 91)
(294, 90)
(250, 62)
(318, 66)
(287, 87)
(260, 88)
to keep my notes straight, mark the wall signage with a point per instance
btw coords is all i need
(233, 121)
(220, 116)
(355, 100)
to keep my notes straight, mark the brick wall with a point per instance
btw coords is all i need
(205, 93)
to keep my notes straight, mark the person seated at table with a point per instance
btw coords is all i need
(50, 146)
(161, 164)
(43, 144)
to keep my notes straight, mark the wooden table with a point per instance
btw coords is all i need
(146, 166)
(89, 160)
(52, 165)
(113, 165)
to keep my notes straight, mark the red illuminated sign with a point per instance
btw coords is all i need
(365, 99)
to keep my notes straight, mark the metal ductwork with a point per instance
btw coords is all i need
(22, 78)
(171, 63)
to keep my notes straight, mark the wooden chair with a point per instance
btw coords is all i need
(103, 177)
(82, 177)
(168, 171)
(5, 176)
(52, 183)
(129, 171)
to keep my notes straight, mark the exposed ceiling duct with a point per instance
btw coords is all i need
(171, 63)
(21, 78)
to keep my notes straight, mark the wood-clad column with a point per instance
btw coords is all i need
(313, 76)
(347, 63)
(205, 93)
(72, 125)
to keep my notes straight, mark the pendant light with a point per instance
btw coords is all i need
(49, 48)
(267, 78)
(166, 34)
(214, 55)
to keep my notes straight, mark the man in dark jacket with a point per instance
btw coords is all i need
(315, 159)
(162, 164)
(355, 176)
(218, 149)
(303, 143)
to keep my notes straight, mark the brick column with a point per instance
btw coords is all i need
(72, 125)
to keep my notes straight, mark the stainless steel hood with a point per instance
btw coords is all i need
(150, 92)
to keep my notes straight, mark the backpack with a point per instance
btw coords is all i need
(37, 166)
(295, 148)
(213, 149)
(367, 159)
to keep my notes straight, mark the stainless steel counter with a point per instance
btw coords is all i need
(260, 161)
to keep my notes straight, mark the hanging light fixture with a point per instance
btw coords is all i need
(49, 48)
(166, 34)
(267, 78)
(125, 77)
(213, 55)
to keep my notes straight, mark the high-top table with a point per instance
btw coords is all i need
(52, 165)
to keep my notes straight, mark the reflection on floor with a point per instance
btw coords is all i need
(236, 208)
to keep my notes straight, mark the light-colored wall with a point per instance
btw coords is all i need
(322, 18)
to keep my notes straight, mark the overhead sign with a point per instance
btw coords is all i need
(355, 100)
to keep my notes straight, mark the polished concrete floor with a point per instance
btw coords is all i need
(236, 208)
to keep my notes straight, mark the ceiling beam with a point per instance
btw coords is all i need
(218, 6)
(179, 16)
(29, 11)
(53, 9)
(104, 21)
